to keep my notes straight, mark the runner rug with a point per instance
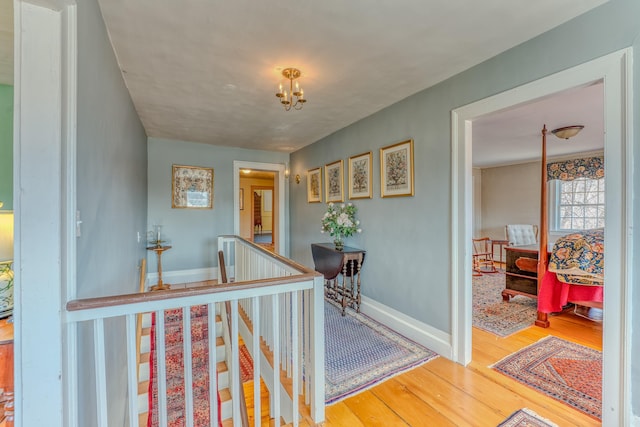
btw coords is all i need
(175, 368)
(360, 353)
(563, 370)
(526, 418)
(492, 314)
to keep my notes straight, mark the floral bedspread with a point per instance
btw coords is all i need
(578, 258)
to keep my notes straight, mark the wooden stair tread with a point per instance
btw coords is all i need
(144, 357)
(143, 387)
(225, 395)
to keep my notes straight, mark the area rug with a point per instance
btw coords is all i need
(526, 418)
(175, 368)
(492, 314)
(563, 370)
(360, 353)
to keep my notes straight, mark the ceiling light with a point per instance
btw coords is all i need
(245, 171)
(295, 97)
(567, 131)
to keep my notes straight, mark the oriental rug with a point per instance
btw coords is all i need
(175, 368)
(565, 371)
(526, 418)
(360, 353)
(492, 314)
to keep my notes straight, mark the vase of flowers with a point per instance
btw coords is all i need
(340, 222)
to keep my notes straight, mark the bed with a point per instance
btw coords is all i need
(574, 270)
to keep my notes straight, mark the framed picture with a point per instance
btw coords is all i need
(192, 187)
(360, 172)
(242, 199)
(333, 182)
(396, 169)
(314, 185)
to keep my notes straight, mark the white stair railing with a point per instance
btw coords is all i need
(264, 283)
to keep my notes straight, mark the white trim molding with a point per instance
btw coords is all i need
(428, 336)
(615, 70)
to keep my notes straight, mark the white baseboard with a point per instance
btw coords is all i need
(184, 276)
(428, 336)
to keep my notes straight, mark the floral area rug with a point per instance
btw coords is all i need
(175, 368)
(563, 370)
(361, 353)
(526, 418)
(494, 315)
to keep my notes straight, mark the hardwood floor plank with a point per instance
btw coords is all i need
(373, 412)
(407, 405)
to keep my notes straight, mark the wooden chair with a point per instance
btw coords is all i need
(483, 256)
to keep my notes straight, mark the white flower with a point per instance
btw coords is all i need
(342, 206)
(359, 230)
(357, 222)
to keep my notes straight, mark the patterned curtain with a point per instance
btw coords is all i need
(590, 167)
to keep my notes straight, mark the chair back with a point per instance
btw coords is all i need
(521, 234)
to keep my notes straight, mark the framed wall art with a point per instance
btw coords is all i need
(360, 172)
(192, 187)
(396, 169)
(333, 181)
(314, 185)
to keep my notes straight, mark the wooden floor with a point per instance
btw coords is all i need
(443, 393)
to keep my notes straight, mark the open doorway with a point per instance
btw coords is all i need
(262, 214)
(611, 69)
(259, 208)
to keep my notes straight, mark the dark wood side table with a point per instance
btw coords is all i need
(341, 270)
(521, 276)
(160, 286)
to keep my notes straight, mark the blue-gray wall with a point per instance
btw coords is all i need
(6, 147)
(193, 232)
(408, 239)
(111, 197)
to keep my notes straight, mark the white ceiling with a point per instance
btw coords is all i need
(514, 135)
(207, 71)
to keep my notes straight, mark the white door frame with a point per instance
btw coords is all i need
(615, 70)
(44, 203)
(279, 186)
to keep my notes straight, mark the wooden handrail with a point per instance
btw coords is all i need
(279, 258)
(115, 300)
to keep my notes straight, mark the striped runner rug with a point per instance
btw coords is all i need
(360, 353)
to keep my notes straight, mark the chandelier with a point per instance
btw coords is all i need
(295, 97)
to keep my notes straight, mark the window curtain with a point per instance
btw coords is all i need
(590, 167)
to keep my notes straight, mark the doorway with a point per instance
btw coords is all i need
(614, 70)
(261, 177)
(262, 214)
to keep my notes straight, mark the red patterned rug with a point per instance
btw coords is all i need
(246, 364)
(563, 370)
(175, 368)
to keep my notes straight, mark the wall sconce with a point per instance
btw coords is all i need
(287, 171)
(297, 178)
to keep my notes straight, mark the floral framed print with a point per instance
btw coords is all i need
(192, 187)
(396, 169)
(360, 172)
(314, 185)
(333, 177)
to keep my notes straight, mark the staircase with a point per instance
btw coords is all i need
(144, 370)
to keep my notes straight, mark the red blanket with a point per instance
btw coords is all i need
(554, 294)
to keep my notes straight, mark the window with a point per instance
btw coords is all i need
(579, 204)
